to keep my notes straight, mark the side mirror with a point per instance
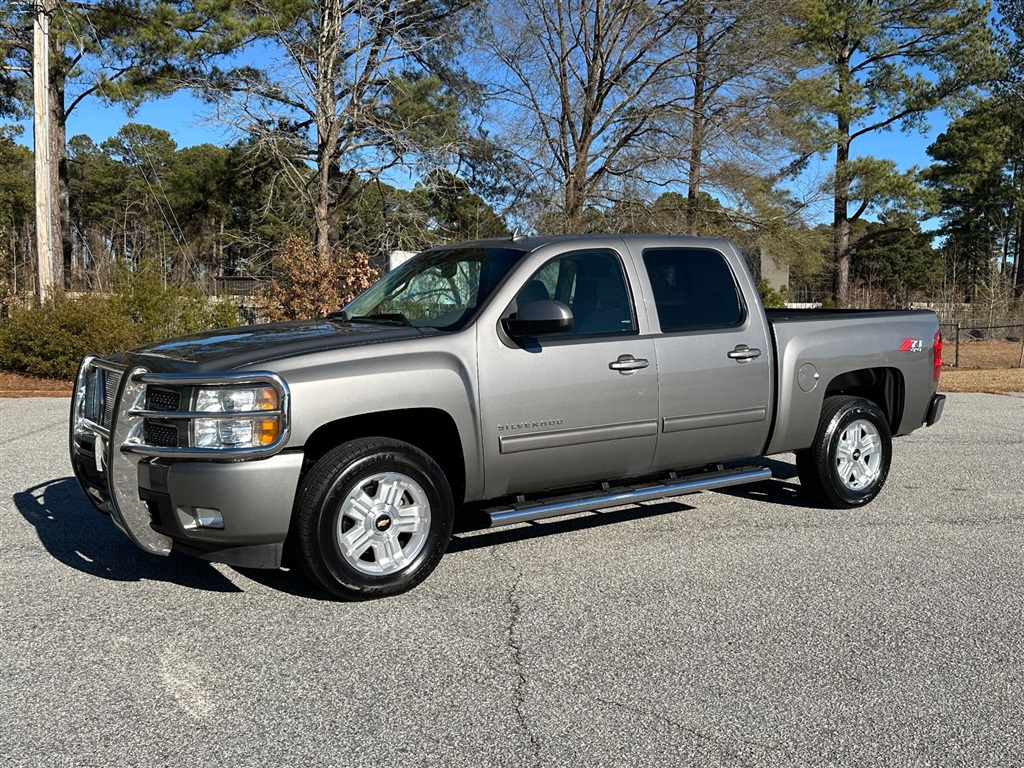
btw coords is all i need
(539, 318)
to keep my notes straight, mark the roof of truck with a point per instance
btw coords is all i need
(533, 242)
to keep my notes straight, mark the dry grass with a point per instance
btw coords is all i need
(995, 381)
(953, 380)
(984, 355)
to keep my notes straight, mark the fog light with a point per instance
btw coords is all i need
(204, 517)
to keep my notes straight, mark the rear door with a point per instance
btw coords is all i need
(562, 410)
(713, 358)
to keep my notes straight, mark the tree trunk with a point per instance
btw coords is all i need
(841, 214)
(326, 117)
(575, 199)
(322, 208)
(841, 226)
(696, 131)
(60, 213)
(1018, 249)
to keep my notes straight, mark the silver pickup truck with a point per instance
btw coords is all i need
(511, 379)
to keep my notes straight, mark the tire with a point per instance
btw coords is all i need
(374, 516)
(848, 463)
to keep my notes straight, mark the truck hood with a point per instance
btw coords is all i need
(231, 348)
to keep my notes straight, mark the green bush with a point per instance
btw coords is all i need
(770, 297)
(50, 340)
(161, 312)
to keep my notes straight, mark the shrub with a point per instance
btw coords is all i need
(160, 311)
(50, 340)
(304, 286)
(356, 276)
(770, 297)
(307, 285)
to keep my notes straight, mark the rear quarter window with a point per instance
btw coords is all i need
(693, 288)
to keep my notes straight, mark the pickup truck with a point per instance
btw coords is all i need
(512, 380)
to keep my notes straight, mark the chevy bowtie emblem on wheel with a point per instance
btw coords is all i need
(911, 345)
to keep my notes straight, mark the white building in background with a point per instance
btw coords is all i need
(397, 258)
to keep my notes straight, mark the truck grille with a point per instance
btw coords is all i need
(164, 399)
(110, 382)
(100, 392)
(163, 435)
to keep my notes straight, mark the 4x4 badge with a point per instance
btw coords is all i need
(911, 345)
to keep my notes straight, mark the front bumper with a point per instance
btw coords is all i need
(163, 502)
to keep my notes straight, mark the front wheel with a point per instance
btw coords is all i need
(373, 519)
(848, 462)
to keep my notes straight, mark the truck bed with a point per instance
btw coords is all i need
(823, 351)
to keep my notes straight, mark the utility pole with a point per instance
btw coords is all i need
(41, 136)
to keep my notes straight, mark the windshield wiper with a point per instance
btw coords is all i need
(387, 318)
(339, 315)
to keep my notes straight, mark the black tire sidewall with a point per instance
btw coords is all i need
(330, 567)
(839, 493)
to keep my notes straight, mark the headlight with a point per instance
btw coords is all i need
(242, 425)
(234, 399)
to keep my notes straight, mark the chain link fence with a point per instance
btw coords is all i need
(983, 346)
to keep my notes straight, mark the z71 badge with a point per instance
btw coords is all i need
(911, 345)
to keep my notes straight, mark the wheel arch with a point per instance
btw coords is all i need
(884, 387)
(432, 430)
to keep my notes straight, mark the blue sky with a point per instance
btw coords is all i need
(182, 115)
(185, 118)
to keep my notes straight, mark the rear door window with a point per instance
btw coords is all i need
(693, 288)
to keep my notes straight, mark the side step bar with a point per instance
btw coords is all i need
(526, 511)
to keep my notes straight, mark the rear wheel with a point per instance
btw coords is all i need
(848, 463)
(374, 518)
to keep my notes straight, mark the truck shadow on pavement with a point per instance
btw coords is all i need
(78, 536)
(773, 491)
(472, 531)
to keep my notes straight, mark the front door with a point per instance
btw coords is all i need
(563, 410)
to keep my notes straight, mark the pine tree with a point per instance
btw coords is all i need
(876, 66)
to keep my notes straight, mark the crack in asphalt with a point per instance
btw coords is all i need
(515, 646)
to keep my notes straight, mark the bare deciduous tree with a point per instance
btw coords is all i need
(737, 131)
(589, 93)
(604, 98)
(358, 87)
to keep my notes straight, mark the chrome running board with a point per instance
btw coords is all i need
(526, 511)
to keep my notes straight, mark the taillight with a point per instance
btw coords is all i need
(937, 355)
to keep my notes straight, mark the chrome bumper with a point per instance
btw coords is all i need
(115, 430)
(107, 440)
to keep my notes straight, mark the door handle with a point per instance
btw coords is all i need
(744, 354)
(628, 365)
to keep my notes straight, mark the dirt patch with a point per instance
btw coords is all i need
(953, 380)
(17, 385)
(984, 355)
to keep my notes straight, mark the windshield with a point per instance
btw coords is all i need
(438, 289)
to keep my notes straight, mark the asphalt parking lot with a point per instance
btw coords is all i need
(735, 629)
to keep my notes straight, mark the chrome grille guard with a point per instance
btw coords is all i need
(118, 446)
